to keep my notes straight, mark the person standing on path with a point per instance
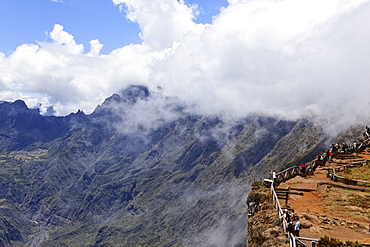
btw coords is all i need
(273, 172)
(297, 227)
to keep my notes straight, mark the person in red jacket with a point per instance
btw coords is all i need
(302, 167)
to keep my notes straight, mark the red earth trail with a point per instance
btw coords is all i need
(340, 212)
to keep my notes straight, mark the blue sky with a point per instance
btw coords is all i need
(277, 57)
(27, 21)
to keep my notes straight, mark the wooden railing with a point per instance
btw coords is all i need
(314, 242)
(364, 144)
(280, 213)
(293, 241)
(350, 181)
(287, 174)
(291, 173)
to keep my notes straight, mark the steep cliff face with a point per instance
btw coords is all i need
(87, 180)
(264, 228)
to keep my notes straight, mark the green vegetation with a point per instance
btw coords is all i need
(358, 173)
(332, 242)
(349, 202)
(257, 183)
(359, 200)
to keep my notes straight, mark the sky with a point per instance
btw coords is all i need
(289, 58)
(23, 21)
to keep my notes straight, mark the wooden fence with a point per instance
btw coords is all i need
(349, 181)
(291, 173)
(287, 174)
(280, 213)
(293, 241)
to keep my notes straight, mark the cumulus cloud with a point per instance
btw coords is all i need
(275, 57)
(95, 48)
(279, 57)
(162, 22)
(60, 37)
(65, 76)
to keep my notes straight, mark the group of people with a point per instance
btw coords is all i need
(293, 223)
(322, 158)
(305, 169)
(344, 148)
(335, 149)
(292, 220)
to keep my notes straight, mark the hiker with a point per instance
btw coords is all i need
(332, 149)
(297, 227)
(318, 160)
(309, 170)
(323, 159)
(338, 146)
(273, 172)
(290, 226)
(329, 154)
(302, 167)
(286, 215)
(292, 215)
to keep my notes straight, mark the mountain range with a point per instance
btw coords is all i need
(138, 173)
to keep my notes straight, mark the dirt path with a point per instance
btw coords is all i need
(330, 210)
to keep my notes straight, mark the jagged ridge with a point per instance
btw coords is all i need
(181, 183)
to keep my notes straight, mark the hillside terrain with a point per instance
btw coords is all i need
(325, 207)
(118, 178)
(331, 208)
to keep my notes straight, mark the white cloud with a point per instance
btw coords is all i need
(162, 22)
(276, 57)
(95, 48)
(280, 57)
(61, 37)
(69, 78)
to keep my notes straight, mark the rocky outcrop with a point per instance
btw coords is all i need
(264, 225)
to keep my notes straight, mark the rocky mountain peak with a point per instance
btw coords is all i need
(16, 107)
(19, 104)
(117, 103)
(134, 93)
